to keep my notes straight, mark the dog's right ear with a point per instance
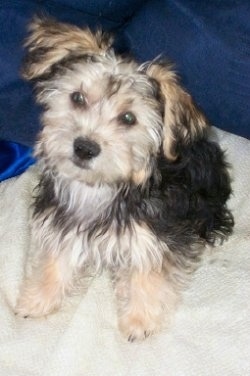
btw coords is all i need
(183, 121)
(50, 41)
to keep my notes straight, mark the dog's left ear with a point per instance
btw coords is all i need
(183, 121)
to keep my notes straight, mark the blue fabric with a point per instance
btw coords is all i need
(14, 159)
(208, 40)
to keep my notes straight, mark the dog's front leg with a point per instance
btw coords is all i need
(48, 277)
(144, 299)
(42, 292)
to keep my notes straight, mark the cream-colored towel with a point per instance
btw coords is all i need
(209, 337)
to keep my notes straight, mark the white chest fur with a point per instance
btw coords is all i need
(133, 246)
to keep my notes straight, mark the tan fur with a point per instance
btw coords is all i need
(139, 177)
(178, 105)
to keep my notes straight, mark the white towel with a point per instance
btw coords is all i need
(210, 335)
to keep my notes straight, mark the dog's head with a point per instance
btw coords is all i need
(106, 118)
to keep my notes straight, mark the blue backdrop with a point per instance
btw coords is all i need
(209, 41)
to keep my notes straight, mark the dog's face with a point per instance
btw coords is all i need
(103, 122)
(106, 119)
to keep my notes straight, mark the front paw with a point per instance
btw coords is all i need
(138, 327)
(35, 301)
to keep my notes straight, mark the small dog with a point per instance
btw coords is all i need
(129, 180)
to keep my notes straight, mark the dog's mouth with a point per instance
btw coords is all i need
(84, 165)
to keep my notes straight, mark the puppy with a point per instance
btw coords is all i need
(129, 181)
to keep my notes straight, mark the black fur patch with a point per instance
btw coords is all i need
(60, 67)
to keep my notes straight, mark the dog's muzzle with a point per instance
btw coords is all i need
(86, 149)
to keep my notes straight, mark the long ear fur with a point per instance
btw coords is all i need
(50, 41)
(183, 121)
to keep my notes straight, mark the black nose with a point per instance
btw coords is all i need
(84, 148)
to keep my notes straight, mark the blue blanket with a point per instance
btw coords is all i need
(208, 41)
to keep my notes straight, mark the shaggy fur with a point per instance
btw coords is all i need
(129, 180)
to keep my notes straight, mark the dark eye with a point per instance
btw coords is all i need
(78, 98)
(127, 118)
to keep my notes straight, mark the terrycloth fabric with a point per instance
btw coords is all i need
(211, 331)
